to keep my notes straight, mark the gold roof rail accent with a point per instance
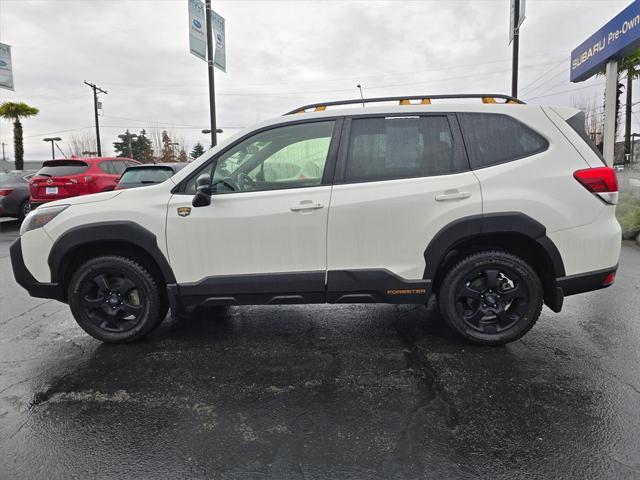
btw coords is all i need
(320, 108)
(488, 100)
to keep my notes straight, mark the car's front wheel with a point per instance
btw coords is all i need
(115, 299)
(491, 298)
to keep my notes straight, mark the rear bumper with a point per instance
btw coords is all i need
(580, 283)
(27, 281)
(586, 282)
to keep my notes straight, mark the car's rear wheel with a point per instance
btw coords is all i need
(491, 298)
(24, 210)
(115, 299)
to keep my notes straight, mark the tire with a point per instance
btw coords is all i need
(23, 210)
(115, 299)
(491, 298)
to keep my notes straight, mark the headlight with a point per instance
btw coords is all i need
(40, 217)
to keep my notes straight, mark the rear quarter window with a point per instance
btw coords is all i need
(492, 138)
(578, 123)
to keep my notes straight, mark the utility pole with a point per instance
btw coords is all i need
(96, 89)
(212, 90)
(516, 48)
(3, 157)
(627, 123)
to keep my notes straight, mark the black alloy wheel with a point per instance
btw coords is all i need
(115, 299)
(491, 297)
(492, 300)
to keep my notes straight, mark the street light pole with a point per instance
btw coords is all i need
(212, 89)
(53, 140)
(361, 95)
(96, 89)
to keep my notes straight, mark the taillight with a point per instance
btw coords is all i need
(5, 191)
(609, 280)
(600, 181)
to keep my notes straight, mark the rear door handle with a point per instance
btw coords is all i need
(306, 205)
(452, 195)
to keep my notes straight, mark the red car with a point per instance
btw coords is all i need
(71, 177)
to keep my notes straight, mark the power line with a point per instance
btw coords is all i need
(567, 91)
(529, 85)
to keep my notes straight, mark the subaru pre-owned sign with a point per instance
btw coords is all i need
(618, 38)
(197, 35)
(6, 71)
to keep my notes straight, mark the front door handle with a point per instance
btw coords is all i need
(306, 205)
(452, 195)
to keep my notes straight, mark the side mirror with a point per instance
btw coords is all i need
(202, 197)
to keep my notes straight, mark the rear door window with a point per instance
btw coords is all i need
(389, 148)
(492, 138)
(63, 168)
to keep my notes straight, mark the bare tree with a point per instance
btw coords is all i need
(594, 118)
(81, 142)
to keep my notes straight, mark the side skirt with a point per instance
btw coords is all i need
(341, 286)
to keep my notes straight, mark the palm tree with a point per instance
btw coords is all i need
(15, 111)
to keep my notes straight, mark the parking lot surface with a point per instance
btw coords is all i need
(316, 392)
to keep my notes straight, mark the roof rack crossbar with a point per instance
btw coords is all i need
(425, 99)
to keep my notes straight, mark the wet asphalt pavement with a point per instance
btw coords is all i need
(317, 392)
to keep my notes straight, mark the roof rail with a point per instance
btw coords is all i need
(424, 100)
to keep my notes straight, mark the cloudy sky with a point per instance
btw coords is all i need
(280, 54)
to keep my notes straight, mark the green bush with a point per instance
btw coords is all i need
(628, 213)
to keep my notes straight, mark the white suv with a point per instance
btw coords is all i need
(495, 207)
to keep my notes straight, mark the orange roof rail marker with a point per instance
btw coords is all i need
(423, 101)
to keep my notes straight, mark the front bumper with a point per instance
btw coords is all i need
(27, 281)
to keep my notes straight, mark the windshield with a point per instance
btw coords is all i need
(63, 168)
(146, 175)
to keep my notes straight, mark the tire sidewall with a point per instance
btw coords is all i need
(488, 260)
(143, 280)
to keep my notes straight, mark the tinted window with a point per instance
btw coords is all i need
(291, 156)
(119, 166)
(146, 175)
(578, 123)
(493, 138)
(401, 147)
(107, 167)
(63, 168)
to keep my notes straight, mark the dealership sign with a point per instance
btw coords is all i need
(220, 56)
(197, 34)
(618, 38)
(6, 70)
